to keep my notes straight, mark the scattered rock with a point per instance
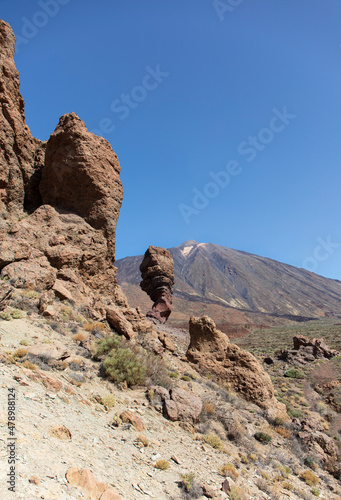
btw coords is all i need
(166, 341)
(130, 417)
(35, 480)
(60, 432)
(226, 486)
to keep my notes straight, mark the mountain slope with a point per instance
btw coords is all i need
(212, 274)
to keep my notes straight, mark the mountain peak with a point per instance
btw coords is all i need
(188, 243)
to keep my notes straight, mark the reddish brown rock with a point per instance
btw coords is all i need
(20, 160)
(157, 271)
(82, 175)
(211, 351)
(60, 432)
(130, 417)
(120, 323)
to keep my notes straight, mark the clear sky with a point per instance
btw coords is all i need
(225, 115)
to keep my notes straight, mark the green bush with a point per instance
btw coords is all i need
(294, 373)
(105, 345)
(292, 412)
(123, 365)
(262, 437)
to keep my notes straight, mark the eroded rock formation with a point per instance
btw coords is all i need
(306, 351)
(82, 175)
(211, 352)
(20, 153)
(59, 205)
(157, 271)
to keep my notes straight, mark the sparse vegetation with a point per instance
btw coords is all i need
(214, 441)
(309, 477)
(262, 437)
(162, 464)
(108, 401)
(141, 438)
(229, 470)
(29, 365)
(122, 365)
(294, 373)
(21, 352)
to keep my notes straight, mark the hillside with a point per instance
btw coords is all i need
(234, 283)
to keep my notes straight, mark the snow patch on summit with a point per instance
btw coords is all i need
(185, 251)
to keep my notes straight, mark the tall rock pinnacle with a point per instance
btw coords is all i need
(157, 270)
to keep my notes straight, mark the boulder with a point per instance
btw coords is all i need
(211, 352)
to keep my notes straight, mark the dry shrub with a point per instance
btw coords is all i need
(309, 478)
(21, 352)
(108, 401)
(30, 366)
(80, 337)
(214, 441)
(229, 470)
(237, 493)
(283, 431)
(162, 464)
(208, 407)
(141, 438)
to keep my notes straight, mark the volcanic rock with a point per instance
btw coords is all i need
(82, 175)
(178, 404)
(211, 351)
(157, 271)
(20, 153)
(306, 351)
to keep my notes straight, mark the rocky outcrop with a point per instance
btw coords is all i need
(306, 351)
(82, 175)
(211, 352)
(157, 271)
(20, 153)
(59, 205)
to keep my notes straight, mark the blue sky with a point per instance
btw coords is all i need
(225, 115)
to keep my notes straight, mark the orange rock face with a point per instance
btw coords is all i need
(212, 352)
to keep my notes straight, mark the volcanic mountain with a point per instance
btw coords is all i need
(237, 287)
